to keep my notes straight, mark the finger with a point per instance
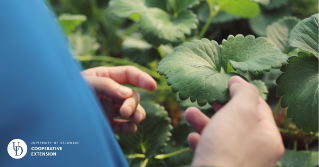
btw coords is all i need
(265, 117)
(196, 119)
(139, 115)
(123, 127)
(193, 139)
(124, 75)
(129, 106)
(108, 107)
(109, 88)
(216, 106)
(244, 99)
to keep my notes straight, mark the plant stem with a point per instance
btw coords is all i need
(287, 125)
(130, 29)
(213, 13)
(162, 156)
(132, 156)
(161, 52)
(117, 61)
(295, 145)
(308, 140)
(144, 163)
(277, 108)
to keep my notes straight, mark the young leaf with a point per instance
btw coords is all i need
(194, 70)
(158, 27)
(260, 23)
(299, 88)
(305, 35)
(293, 158)
(139, 51)
(152, 134)
(250, 54)
(276, 4)
(70, 22)
(83, 44)
(278, 32)
(242, 8)
(263, 91)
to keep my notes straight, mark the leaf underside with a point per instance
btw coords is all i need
(305, 35)
(278, 32)
(152, 133)
(299, 88)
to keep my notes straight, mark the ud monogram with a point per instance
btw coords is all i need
(17, 148)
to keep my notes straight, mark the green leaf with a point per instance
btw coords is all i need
(180, 5)
(263, 2)
(242, 8)
(180, 134)
(305, 35)
(184, 104)
(139, 51)
(194, 70)
(259, 24)
(221, 17)
(293, 158)
(263, 91)
(299, 88)
(83, 44)
(126, 8)
(71, 22)
(250, 54)
(152, 134)
(278, 32)
(158, 27)
(179, 160)
(271, 77)
(276, 4)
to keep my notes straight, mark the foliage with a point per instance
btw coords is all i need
(195, 68)
(143, 33)
(299, 82)
(298, 159)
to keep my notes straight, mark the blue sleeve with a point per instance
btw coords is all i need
(43, 98)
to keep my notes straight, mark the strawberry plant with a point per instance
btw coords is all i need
(196, 46)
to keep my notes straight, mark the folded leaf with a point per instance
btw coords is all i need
(263, 91)
(278, 32)
(305, 35)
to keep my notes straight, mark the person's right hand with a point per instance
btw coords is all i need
(242, 133)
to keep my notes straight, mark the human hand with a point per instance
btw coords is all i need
(241, 133)
(118, 100)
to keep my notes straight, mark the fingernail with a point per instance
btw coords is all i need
(125, 91)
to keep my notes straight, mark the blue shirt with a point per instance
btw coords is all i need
(43, 97)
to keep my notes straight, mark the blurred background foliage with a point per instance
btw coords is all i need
(100, 38)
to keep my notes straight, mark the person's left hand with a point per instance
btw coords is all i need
(118, 100)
